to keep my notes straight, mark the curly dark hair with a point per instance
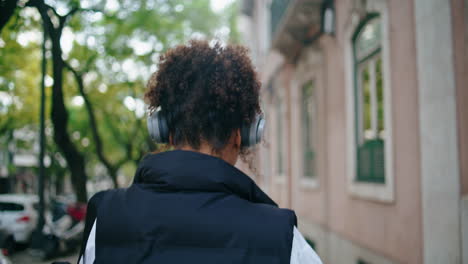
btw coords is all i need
(207, 91)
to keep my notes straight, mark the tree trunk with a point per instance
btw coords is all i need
(111, 168)
(59, 114)
(113, 176)
(7, 9)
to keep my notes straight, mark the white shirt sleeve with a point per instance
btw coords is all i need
(90, 251)
(301, 252)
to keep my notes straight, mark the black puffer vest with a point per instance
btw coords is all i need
(187, 207)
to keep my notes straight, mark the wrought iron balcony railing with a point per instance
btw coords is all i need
(294, 24)
(278, 9)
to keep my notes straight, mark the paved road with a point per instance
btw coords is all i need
(24, 258)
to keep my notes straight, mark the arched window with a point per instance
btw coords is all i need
(369, 100)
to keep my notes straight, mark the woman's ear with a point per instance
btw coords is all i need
(238, 139)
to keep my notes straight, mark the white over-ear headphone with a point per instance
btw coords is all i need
(251, 134)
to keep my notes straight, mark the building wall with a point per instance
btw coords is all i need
(309, 196)
(347, 226)
(369, 225)
(439, 146)
(372, 225)
(279, 185)
(460, 56)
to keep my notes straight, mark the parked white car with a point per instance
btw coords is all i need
(18, 215)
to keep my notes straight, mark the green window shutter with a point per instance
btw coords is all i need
(371, 161)
(360, 261)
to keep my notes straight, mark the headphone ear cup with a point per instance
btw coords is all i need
(245, 129)
(163, 128)
(158, 128)
(252, 134)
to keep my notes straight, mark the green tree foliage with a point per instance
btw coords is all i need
(109, 49)
(19, 77)
(18, 86)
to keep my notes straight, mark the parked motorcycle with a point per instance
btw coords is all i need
(62, 233)
(6, 246)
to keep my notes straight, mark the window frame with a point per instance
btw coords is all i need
(380, 192)
(309, 68)
(279, 95)
(314, 139)
(359, 65)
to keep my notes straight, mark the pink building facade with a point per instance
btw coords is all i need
(367, 124)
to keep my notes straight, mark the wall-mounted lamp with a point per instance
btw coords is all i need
(247, 7)
(328, 17)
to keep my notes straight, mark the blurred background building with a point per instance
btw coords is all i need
(367, 124)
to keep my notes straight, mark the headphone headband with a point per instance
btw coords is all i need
(251, 134)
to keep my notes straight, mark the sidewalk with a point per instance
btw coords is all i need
(24, 258)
